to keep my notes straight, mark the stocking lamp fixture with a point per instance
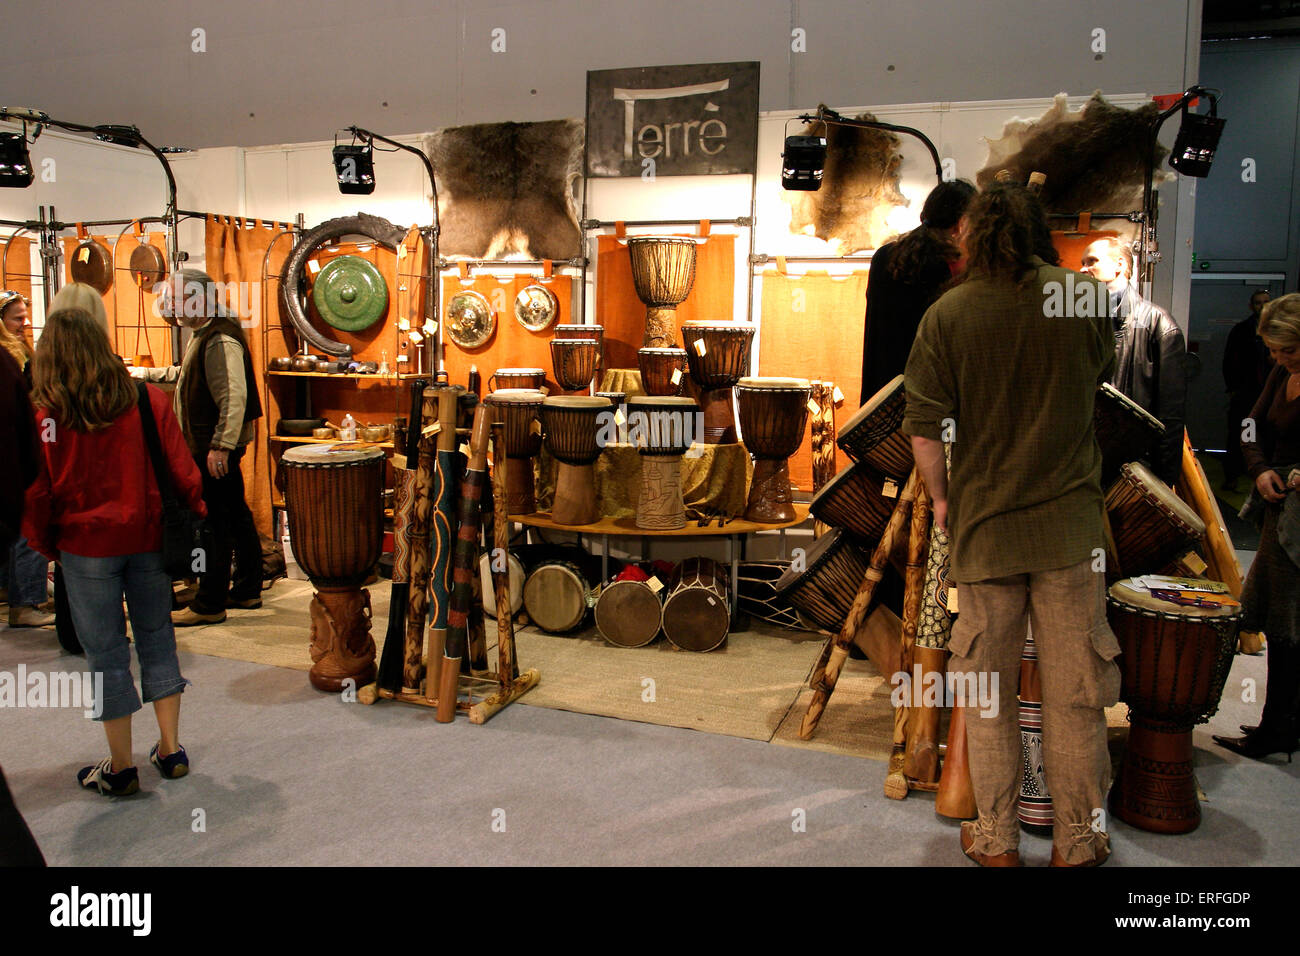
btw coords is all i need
(354, 165)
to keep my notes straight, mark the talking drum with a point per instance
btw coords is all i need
(833, 570)
(504, 378)
(854, 499)
(1174, 661)
(629, 611)
(572, 426)
(1125, 431)
(1151, 525)
(717, 354)
(662, 370)
(773, 414)
(697, 614)
(574, 362)
(517, 409)
(662, 427)
(663, 272)
(336, 523)
(874, 434)
(561, 590)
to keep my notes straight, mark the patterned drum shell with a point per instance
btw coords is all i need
(834, 567)
(663, 268)
(572, 426)
(336, 511)
(773, 414)
(1150, 524)
(854, 499)
(518, 409)
(662, 424)
(574, 362)
(725, 357)
(504, 378)
(657, 368)
(873, 434)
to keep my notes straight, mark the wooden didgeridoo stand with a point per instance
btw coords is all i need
(341, 646)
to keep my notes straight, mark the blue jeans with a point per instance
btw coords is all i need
(95, 589)
(28, 575)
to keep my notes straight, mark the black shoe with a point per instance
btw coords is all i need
(1257, 746)
(1248, 729)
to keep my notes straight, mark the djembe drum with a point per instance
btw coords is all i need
(824, 589)
(875, 433)
(1151, 525)
(1173, 661)
(517, 409)
(574, 362)
(854, 499)
(718, 355)
(504, 378)
(697, 612)
(662, 427)
(773, 414)
(572, 425)
(629, 611)
(335, 502)
(663, 272)
(662, 370)
(1125, 431)
(596, 332)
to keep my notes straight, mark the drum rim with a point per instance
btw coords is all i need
(678, 401)
(719, 326)
(681, 240)
(778, 384)
(519, 370)
(515, 396)
(576, 401)
(353, 455)
(1158, 494)
(872, 405)
(580, 325)
(661, 350)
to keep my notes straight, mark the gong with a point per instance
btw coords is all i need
(93, 265)
(350, 293)
(148, 267)
(470, 319)
(536, 307)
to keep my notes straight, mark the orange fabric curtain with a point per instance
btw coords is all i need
(511, 345)
(1072, 245)
(134, 326)
(622, 314)
(17, 264)
(812, 327)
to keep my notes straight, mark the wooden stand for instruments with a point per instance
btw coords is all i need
(823, 442)
(896, 783)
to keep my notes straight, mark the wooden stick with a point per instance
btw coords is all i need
(913, 593)
(510, 691)
(823, 442)
(1194, 488)
(824, 684)
(507, 665)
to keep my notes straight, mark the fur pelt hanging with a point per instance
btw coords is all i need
(508, 188)
(1094, 158)
(860, 187)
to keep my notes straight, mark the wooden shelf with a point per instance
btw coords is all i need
(626, 527)
(361, 376)
(286, 439)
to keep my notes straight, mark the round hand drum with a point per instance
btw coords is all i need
(1151, 525)
(662, 427)
(629, 611)
(518, 410)
(572, 424)
(336, 523)
(697, 615)
(662, 370)
(517, 378)
(854, 499)
(773, 414)
(663, 272)
(1174, 662)
(1125, 431)
(596, 332)
(873, 435)
(718, 355)
(824, 588)
(574, 362)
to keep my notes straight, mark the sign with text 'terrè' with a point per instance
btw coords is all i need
(692, 120)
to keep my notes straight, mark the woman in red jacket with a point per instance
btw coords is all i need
(96, 509)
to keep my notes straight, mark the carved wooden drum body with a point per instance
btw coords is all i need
(773, 416)
(518, 409)
(662, 370)
(663, 273)
(572, 427)
(574, 362)
(717, 354)
(824, 588)
(662, 427)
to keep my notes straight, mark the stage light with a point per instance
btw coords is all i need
(354, 166)
(15, 162)
(1198, 138)
(803, 162)
(118, 135)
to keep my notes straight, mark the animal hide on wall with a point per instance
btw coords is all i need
(1094, 159)
(508, 188)
(859, 189)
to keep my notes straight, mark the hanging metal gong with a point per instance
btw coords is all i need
(148, 267)
(470, 319)
(350, 293)
(536, 307)
(93, 265)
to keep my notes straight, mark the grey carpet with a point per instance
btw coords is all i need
(286, 775)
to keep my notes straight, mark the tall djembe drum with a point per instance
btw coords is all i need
(572, 424)
(718, 355)
(773, 414)
(336, 523)
(518, 409)
(663, 272)
(574, 362)
(662, 427)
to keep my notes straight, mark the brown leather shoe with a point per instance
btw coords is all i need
(1101, 857)
(190, 618)
(1010, 858)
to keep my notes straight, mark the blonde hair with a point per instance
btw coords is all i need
(15, 345)
(76, 375)
(78, 295)
(1279, 322)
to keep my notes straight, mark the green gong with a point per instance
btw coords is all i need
(350, 294)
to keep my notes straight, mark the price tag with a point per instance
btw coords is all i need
(430, 328)
(654, 584)
(712, 602)
(814, 407)
(401, 252)
(700, 349)
(313, 266)
(545, 390)
(464, 449)
(677, 376)
(952, 599)
(404, 324)
(83, 254)
(839, 396)
(890, 490)
(428, 431)
(401, 359)
(535, 427)
(416, 337)
(618, 417)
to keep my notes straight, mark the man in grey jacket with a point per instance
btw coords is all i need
(1150, 352)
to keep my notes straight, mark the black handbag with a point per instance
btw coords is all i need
(184, 539)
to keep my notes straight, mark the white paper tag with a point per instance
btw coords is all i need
(618, 417)
(430, 327)
(839, 396)
(712, 602)
(416, 337)
(402, 359)
(404, 324)
(401, 252)
(535, 427)
(430, 430)
(890, 490)
(677, 376)
(814, 407)
(83, 254)
(952, 599)
(699, 347)
(464, 449)
(314, 266)
(654, 584)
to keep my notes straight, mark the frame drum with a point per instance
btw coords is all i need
(1151, 525)
(629, 611)
(697, 615)
(874, 434)
(516, 570)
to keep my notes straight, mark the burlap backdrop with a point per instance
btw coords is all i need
(812, 327)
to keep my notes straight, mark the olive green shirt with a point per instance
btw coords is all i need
(1009, 374)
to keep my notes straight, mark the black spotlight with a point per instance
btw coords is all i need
(355, 166)
(15, 162)
(1198, 138)
(804, 160)
(118, 135)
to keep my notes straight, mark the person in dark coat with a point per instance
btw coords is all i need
(1246, 366)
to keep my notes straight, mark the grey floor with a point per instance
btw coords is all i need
(283, 774)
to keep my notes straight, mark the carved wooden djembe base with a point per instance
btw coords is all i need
(341, 646)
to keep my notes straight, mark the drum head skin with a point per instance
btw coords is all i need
(515, 396)
(520, 371)
(894, 387)
(628, 614)
(556, 597)
(1143, 601)
(575, 401)
(325, 456)
(1140, 475)
(783, 384)
(696, 619)
(516, 572)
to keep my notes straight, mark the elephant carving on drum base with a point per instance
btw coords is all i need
(341, 645)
